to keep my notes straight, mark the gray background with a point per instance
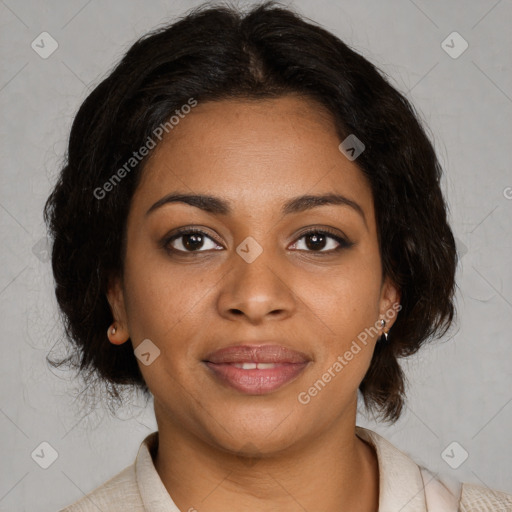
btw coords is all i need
(460, 388)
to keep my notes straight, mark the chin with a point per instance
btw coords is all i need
(255, 432)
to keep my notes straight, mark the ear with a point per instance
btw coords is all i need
(389, 302)
(115, 297)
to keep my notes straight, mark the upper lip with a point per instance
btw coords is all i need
(263, 353)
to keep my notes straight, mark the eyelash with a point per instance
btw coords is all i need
(343, 244)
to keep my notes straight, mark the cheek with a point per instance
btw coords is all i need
(161, 297)
(162, 306)
(348, 308)
(347, 303)
(346, 298)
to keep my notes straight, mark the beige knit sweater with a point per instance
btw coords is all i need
(404, 487)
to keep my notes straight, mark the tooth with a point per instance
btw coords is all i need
(253, 366)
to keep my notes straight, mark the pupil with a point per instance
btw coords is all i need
(193, 241)
(318, 241)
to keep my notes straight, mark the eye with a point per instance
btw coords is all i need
(189, 240)
(318, 239)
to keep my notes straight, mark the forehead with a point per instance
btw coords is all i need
(254, 150)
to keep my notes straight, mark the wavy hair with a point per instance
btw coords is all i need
(218, 52)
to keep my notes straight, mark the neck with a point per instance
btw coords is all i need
(330, 472)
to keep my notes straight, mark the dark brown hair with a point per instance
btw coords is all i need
(216, 53)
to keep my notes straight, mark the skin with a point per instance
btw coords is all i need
(217, 446)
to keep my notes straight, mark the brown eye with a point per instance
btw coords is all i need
(189, 240)
(317, 240)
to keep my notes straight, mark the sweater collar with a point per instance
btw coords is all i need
(400, 481)
(152, 491)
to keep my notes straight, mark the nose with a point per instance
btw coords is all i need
(256, 289)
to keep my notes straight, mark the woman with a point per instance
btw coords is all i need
(250, 229)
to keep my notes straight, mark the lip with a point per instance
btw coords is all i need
(287, 365)
(263, 353)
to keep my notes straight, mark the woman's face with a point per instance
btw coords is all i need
(253, 277)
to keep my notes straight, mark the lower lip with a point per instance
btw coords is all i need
(256, 382)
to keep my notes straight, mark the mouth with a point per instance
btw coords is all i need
(256, 369)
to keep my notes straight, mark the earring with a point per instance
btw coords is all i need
(384, 336)
(112, 329)
(111, 334)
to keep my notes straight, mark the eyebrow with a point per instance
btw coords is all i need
(219, 206)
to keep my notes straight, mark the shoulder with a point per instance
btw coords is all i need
(137, 487)
(410, 487)
(447, 494)
(476, 498)
(119, 494)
